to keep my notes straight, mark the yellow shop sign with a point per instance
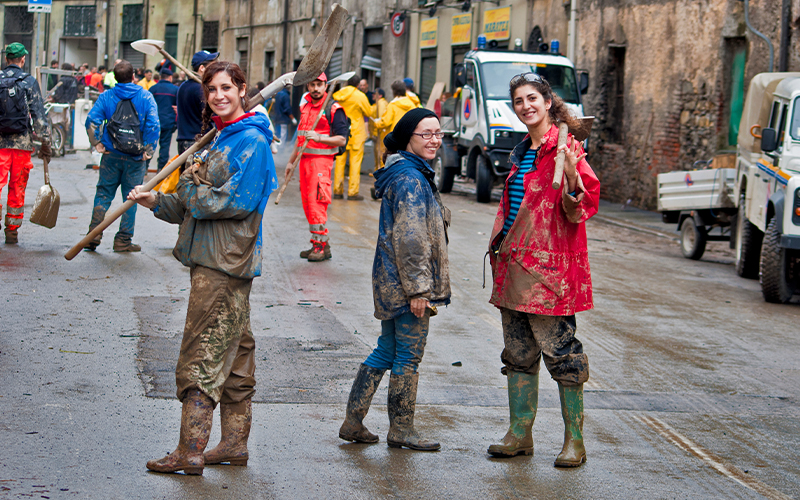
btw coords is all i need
(497, 23)
(461, 30)
(428, 32)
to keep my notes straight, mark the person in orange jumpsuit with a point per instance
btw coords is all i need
(356, 107)
(316, 162)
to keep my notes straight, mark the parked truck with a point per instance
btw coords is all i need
(762, 212)
(480, 126)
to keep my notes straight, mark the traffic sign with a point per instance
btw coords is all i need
(40, 5)
(398, 24)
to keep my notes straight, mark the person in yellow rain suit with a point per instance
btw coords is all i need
(378, 110)
(409, 83)
(356, 107)
(397, 108)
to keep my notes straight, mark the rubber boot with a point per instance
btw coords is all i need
(523, 400)
(401, 405)
(98, 214)
(320, 252)
(305, 253)
(573, 454)
(195, 429)
(235, 420)
(364, 386)
(11, 236)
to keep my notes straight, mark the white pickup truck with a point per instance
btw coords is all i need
(480, 126)
(764, 189)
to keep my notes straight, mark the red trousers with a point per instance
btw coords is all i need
(315, 191)
(15, 165)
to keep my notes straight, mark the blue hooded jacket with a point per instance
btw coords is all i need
(143, 103)
(411, 253)
(221, 222)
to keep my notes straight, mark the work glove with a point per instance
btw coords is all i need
(45, 151)
(294, 121)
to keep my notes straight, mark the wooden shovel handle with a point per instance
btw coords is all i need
(558, 176)
(46, 162)
(191, 74)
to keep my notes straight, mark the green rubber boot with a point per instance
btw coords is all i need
(523, 399)
(573, 454)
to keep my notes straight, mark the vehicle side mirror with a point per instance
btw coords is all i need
(583, 82)
(460, 75)
(769, 140)
(466, 93)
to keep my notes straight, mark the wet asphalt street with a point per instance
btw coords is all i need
(693, 392)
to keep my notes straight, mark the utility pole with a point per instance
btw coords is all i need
(786, 35)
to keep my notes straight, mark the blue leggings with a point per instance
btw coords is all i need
(401, 344)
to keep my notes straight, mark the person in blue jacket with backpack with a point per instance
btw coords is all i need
(123, 125)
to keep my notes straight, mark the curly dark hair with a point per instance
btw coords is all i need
(237, 77)
(559, 112)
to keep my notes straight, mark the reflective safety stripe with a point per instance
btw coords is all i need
(317, 151)
(15, 211)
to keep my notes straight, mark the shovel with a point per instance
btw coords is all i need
(45, 209)
(312, 65)
(331, 89)
(580, 134)
(155, 47)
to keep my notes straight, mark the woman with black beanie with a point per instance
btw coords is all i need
(409, 279)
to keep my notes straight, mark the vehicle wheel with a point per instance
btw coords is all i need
(693, 239)
(58, 139)
(443, 176)
(484, 179)
(777, 267)
(748, 244)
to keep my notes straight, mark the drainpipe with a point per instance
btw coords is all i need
(786, 35)
(760, 35)
(573, 35)
(108, 29)
(285, 48)
(194, 36)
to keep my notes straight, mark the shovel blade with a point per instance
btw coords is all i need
(148, 46)
(584, 128)
(45, 209)
(319, 55)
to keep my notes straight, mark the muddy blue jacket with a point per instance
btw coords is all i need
(221, 222)
(106, 104)
(411, 254)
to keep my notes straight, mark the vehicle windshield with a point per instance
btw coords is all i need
(496, 76)
(795, 128)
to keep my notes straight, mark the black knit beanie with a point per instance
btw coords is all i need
(397, 140)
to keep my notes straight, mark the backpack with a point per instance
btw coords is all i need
(342, 149)
(14, 116)
(123, 128)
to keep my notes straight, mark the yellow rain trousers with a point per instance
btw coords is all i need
(357, 108)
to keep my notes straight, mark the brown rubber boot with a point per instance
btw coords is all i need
(195, 428)
(98, 214)
(573, 453)
(121, 246)
(305, 253)
(364, 386)
(235, 419)
(11, 236)
(321, 251)
(523, 400)
(402, 405)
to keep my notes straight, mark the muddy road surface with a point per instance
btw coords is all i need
(693, 390)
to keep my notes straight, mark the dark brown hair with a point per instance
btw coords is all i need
(238, 78)
(398, 88)
(123, 72)
(559, 112)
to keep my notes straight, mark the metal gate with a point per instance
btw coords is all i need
(427, 74)
(134, 57)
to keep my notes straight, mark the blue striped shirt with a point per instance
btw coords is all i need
(516, 188)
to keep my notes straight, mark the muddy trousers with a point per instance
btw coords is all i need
(15, 167)
(164, 141)
(315, 193)
(401, 344)
(530, 337)
(218, 350)
(123, 172)
(356, 155)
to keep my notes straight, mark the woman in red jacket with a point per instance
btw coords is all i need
(540, 268)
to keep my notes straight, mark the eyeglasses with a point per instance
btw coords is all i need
(527, 77)
(429, 135)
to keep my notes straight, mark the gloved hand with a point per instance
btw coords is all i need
(45, 151)
(294, 121)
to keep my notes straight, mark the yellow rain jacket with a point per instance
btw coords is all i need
(394, 111)
(414, 98)
(356, 107)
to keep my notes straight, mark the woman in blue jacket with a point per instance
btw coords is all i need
(219, 203)
(409, 279)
